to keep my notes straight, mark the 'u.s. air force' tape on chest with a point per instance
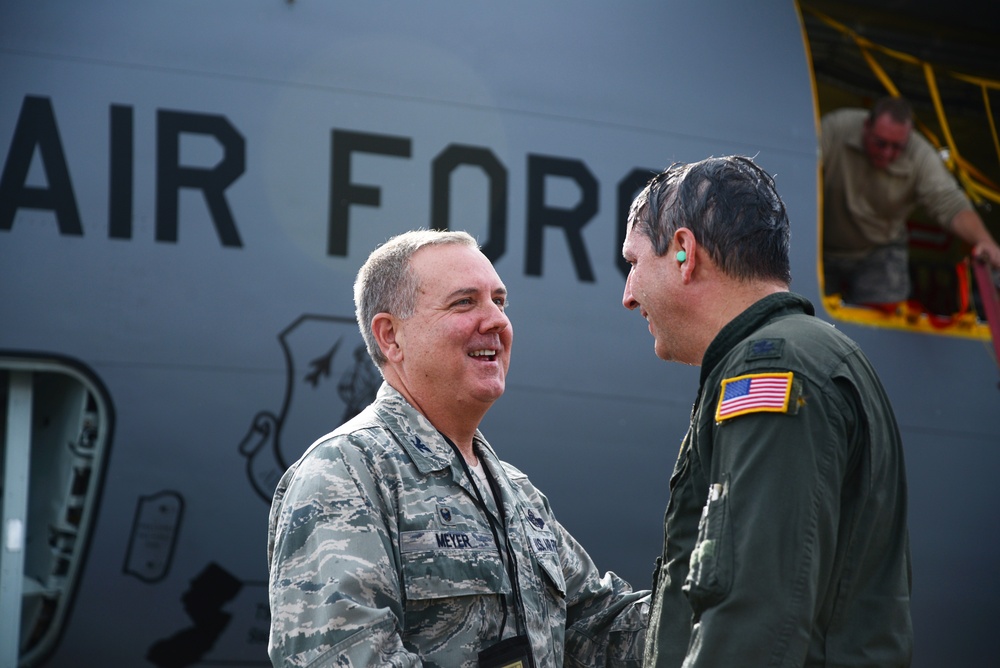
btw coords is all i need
(433, 541)
(540, 537)
(774, 392)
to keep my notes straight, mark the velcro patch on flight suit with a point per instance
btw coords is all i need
(754, 393)
(761, 349)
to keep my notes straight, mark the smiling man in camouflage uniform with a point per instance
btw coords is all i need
(400, 538)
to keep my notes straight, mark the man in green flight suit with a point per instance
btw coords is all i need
(785, 534)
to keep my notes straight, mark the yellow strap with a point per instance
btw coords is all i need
(939, 109)
(989, 117)
(878, 71)
(974, 188)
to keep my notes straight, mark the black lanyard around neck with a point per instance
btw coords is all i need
(507, 555)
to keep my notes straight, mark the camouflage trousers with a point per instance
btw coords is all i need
(881, 277)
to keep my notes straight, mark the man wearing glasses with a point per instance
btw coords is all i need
(876, 171)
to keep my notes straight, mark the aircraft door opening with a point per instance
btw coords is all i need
(952, 111)
(57, 424)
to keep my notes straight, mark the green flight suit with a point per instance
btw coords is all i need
(785, 534)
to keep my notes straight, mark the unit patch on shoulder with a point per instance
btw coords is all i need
(762, 349)
(754, 393)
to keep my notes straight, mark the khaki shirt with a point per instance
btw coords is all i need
(381, 553)
(865, 208)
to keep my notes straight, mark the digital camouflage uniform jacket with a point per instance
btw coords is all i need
(380, 554)
(786, 540)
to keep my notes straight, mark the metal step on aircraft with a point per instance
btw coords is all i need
(189, 188)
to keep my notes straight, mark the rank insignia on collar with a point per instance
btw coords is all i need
(754, 393)
(420, 445)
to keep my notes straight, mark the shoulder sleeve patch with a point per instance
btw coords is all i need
(754, 393)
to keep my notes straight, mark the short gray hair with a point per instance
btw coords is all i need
(386, 283)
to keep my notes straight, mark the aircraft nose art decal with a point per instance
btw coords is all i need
(329, 379)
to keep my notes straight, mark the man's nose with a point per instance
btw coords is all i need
(495, 319)
(629, 301)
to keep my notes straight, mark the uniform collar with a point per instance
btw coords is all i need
(414, 432)
(749, 321)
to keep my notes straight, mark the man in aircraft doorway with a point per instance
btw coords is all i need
(876, 171)
(400, 538)
(785, 534)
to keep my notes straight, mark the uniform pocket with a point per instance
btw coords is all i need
(447, 564)
(544, 546)
(452, 580)
(710, 570)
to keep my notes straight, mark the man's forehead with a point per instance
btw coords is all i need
(633, 237)
(439, 259)
(886, 123)
(465, 270)
(458, 279)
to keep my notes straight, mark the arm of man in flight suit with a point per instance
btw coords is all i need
(768, 535)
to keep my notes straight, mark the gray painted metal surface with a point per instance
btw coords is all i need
(224, 356)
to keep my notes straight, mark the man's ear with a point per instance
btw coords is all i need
(386, 331)
(685, 246)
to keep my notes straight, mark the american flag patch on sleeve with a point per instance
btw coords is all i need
(754, 393)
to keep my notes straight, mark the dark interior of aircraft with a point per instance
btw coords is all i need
(959, 42)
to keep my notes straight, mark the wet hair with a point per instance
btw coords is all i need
(386, 282)
(732, 208)
(898, 109)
